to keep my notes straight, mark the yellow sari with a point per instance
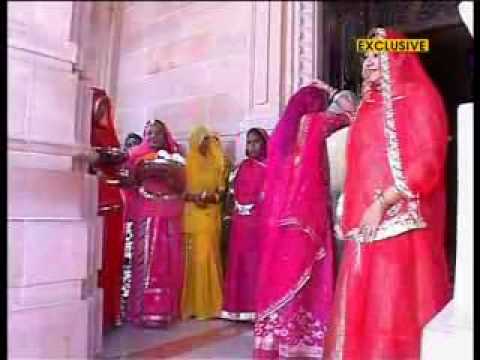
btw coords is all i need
(202, 292)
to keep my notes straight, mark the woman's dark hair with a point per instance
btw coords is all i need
(133, 137)
(259, 133)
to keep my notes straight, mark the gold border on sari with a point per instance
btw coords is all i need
(126, 269)
(321, 253)
(238, 316)
(147, 253)
(400, 222)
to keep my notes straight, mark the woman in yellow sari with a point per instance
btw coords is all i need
(205, 173)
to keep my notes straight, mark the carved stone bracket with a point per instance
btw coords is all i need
(284, 45)
(302, 41)
(305, 42)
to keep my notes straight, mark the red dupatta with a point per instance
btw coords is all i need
(138, 152)
(103, 129)
(103, 134)
(400, 143)
(137, 203)
(388, 290)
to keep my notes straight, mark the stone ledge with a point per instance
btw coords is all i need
(31, 297)
(66, 52)
(47, 148)
(32, 192)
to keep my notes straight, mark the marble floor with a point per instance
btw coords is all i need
(192, 339)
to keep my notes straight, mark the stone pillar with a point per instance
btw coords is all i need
(54, 235)
(450, 334)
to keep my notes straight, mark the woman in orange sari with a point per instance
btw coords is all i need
(394, 277)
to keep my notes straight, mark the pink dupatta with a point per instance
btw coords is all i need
(245, 237)
(294, 228)
(154, 276)
(142, 152)
(138, 152)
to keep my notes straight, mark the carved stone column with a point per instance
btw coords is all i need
(303, 26)
(284, 46)
(450, 333)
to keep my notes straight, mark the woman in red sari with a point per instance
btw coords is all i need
(153, 276)
(247, 191)
(393, 278)
(104, 137)
(296, 274)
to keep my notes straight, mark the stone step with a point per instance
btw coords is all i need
(448, 336)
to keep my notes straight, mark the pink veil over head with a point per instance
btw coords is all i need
(136, 155)
(264, 135)
(294, 220)
(171, 146)
(281, 144)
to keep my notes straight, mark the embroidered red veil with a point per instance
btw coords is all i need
(389, 289)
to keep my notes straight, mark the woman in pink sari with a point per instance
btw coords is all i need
(296, 278)
(154, 282)
(247, 190)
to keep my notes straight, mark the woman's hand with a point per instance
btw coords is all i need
(323, 86)
(187, 197)
(126, 178)
(200, 200)
(90, 157)
(152, 169)
(195, 198)
(373, 215)
(110, 156)
(370, 221)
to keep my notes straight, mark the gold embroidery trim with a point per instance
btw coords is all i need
(305, 276)
(238, 316)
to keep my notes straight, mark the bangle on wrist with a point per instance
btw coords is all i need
(381, 199)
(332, 93)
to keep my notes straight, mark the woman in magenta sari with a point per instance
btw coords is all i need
(247, 190)
(154, 282)
(296, 277)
